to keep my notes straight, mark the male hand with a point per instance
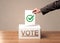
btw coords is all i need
(36, 11)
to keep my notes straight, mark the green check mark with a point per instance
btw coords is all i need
(30, 18)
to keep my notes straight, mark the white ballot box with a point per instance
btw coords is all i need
(29, 31)
(29, 17)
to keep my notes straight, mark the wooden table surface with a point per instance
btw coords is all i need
(12, 37)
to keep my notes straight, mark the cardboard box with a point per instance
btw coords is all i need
(29, 31)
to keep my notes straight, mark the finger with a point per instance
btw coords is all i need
(35, 13)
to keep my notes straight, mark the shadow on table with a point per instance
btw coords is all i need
(43, 35)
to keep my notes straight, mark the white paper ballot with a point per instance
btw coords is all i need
(29, 17)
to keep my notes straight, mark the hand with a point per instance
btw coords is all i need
(36, 11)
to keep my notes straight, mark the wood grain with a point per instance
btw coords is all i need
(12, 37)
